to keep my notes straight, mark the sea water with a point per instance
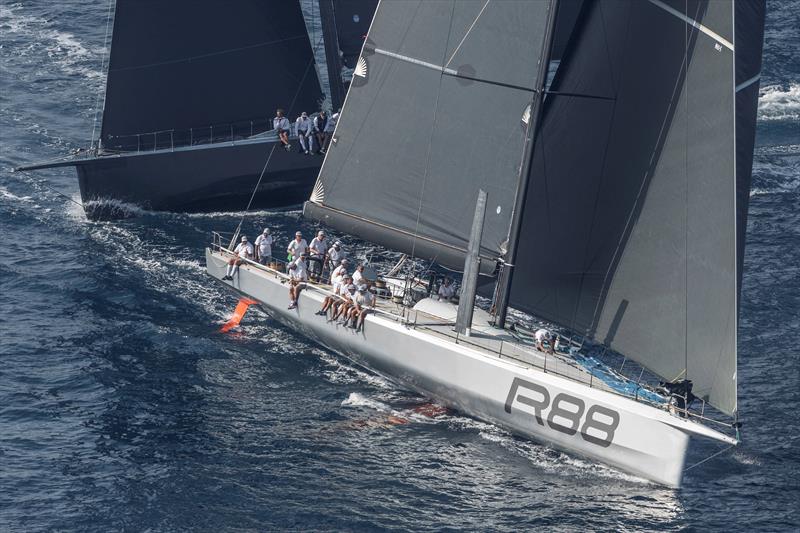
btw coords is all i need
(122, 407)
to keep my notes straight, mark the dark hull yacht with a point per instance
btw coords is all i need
(191, 91)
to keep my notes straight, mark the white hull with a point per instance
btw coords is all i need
(637, 438)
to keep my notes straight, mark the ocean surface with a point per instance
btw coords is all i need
(122, 407)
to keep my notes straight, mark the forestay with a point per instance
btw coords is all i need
(434, 113)
(629, 232)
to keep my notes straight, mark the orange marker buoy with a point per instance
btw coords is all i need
(238, 314)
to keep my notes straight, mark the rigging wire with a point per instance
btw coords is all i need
(103, 70)
(44, 184)
(720, 452)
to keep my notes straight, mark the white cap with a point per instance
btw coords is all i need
(244, 238)
(320, 232)
(266, 231)
(298, 234)
(337, 243)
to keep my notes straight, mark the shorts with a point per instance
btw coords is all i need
(265, 259)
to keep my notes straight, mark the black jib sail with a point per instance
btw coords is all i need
(633, 225)
(183, 67)
(434, 113)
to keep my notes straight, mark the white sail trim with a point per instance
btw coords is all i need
(415, 61)
(717, 37)
(748, 83)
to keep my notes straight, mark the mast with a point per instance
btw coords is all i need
(506, 272)
(330, 37)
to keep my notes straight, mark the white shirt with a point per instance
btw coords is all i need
(297, 248)
(446, 292)
(318, 246)
(280, 123)
(541, 335)
(358, 278)
(331, 125)
(337, 275)
(299, 272)
(335, 255)
(365, 299)
(302, 125)
(244, 250)
(264, 243)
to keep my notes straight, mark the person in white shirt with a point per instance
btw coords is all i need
(364, 304)
(264, 247)
(318, 130)
(446, 290)
(243, 250)
(302, 128)
(317, 250)
(331, 301)
(339, 273)
(298, 275)
(281, 125)
(330, 128)
(297, 247)
(541, 336)
(358, 275)
(348, 293)
(335, 255)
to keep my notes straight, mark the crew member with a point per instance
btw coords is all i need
(302, 128)
(318, 130)
(358, 275)
(343, 309)
(365, 301)
(281, 125)
(317, 250)
(335, 255)
(264, 247)
(330, 127)
(298, 275)
(243, 250)
(541, 336)
(339, 273)
(297, 247)
(447, 290)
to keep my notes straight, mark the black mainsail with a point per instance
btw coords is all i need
(188, 65)
(434, 113)
(631, 223)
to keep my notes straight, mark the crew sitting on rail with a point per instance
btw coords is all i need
(281, 125)
(298, 275)
(317, 249)
(318, 130)
(331, 301)
(364, 304)
(447, 290)
(302, 128)
(541, 336)
(243, 250)
(297, 247)
(343, 307)
(264, 247)
(335, 255)
(339, 273)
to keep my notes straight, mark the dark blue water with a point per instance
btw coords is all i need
(123, 408)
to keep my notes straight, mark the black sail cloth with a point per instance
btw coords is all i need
(414, 144)
(182, 64)
(634, 192)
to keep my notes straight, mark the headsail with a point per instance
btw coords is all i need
(435, 112)
(630, 222)
(184, 64)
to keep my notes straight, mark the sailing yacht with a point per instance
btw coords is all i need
(587, 166)
(191, 91)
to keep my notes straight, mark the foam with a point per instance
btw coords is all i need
(778, 102)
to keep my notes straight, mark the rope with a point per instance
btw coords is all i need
(709, 458)
(255, 189)
(102, 69)
(44, 184)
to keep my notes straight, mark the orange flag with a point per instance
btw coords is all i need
(238, 314)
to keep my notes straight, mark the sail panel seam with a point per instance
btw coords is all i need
(708, 31)
(745, 84)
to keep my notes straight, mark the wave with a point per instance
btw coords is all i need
(777, 102)
(62, 47)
